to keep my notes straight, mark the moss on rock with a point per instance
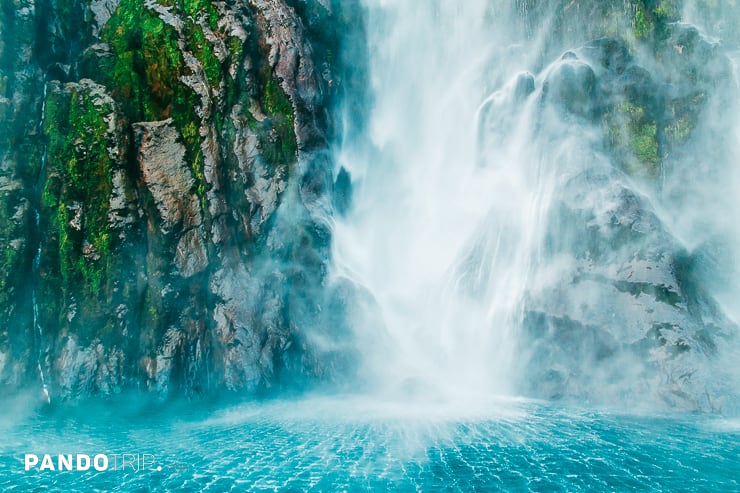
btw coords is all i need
(78, 249)
(13, 227)
(78, 153)
(146, 64)
(632, 133)
(277, 140)
(650, 18)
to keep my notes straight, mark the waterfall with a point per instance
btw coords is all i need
(444, 244)
(520, 219)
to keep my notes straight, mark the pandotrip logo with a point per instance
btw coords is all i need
(100, 463)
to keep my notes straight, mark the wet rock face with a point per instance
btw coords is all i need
(167, 176)
(647, 106)
(622, 310)
(627, 315)
(19, 164)
(172, 160)
(570, 84)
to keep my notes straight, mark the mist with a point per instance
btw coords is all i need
(528, 217)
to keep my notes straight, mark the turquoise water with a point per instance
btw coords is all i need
(353, 444)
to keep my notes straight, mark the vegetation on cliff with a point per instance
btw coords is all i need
(171, 131)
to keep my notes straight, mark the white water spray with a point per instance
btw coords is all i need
(454, 200)
(445, 245)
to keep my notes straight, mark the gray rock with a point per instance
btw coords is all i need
(102, 10)
(167, 175)
(191, 256)
(570, 84)
(625, 317)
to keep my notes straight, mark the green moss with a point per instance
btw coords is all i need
(666, 12)
(10, 253)
(192, 12)
(146, 63)
(644, 145)
(203, 51)
(275, 100)
(679, 130)
(153, 316)
(80, 177)
(200, 180)
(651, 19)
(197, 8)
(191, 138)
(233, 80)
(277, 140)
(189, 132)
(633, 135)
(643, 141)
(235, 47)
(148, 66)
(683, 117)
(640, 24)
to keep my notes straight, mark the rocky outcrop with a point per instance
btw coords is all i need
(166, 193)
(181, 177)
(620, 310)
(627, 316)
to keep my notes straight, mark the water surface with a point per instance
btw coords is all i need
(352, 444)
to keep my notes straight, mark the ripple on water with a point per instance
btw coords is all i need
(355, 445)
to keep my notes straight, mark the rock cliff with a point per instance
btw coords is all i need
(166, 191)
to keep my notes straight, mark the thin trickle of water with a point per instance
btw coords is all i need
(38, 330)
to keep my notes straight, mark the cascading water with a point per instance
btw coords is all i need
(531, 215)
(447, 224)
(425, 214)
(500, 217)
